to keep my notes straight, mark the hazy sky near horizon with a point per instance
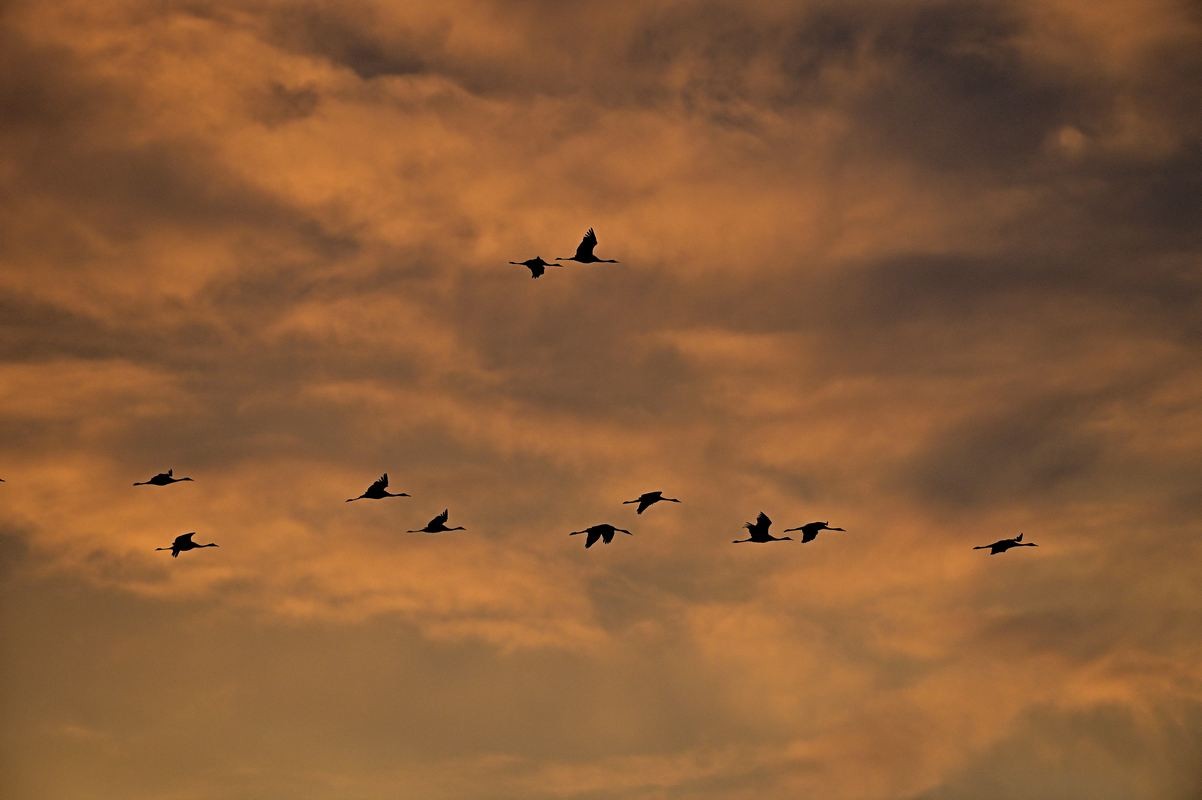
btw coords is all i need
(929, 270)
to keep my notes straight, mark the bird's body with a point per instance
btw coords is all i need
(1002, 545)
(184, 542)
(584, 251)
(377, 491)
(438, 524)
(162, 479)
(809, 531)
(758, 531)
(648, 499)
(536, 265)
(603, 532)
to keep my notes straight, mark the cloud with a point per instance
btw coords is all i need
(928, 271)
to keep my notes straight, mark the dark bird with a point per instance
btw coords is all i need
(536, 265)
(162, 479)
(438, 524)
(377, 491)
(809, 531)
(648, 499)
(605, 532)
(584, 251)
(1002, 545)
(758, 531)
(184, 542)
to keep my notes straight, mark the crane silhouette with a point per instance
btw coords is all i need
(162, 479)
(184, 542)
(1002, 545)
(809, 531)
(536, 265)
(377, 491)
(584, 251)
(648, 499)
(758, 531)
(605, 532)
(438, 524)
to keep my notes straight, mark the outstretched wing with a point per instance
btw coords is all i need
(585, 248)
(380, 484)
(441, 519)
(1018, 538)
(763, 521)
(646, 502)
(183, 539)
(593, 536)
(809, 533)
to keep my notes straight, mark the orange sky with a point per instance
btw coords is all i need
(929, 270)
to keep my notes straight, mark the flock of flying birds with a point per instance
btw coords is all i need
(757, 532)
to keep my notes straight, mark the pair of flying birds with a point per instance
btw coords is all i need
(758, 531)
(605, 532)
(379, 490)
(584, 255)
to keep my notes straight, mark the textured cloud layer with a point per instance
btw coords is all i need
(927, 269)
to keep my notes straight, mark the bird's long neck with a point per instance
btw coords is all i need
(456, 528)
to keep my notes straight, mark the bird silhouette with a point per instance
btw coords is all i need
(809, 531)
(184, 542)
(758, 531)
(438, 524)
(605, 532)
(1002, 545)
(648, 499)
(536, 265)
(377, 491)
(162, 479)
(584, 251)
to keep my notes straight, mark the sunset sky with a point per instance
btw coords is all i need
(929, 270)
